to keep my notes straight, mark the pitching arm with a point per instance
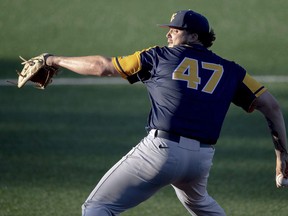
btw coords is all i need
(85, 65)
(270, 108)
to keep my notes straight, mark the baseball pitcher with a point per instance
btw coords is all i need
(190, 90)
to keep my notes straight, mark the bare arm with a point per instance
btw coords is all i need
(85, 65)
(270, 108)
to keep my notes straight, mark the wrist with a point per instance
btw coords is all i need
(49, 60)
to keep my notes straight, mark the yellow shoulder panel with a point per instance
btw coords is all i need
(256, 87)
(127, 65)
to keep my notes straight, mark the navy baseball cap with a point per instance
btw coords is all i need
(189, 20)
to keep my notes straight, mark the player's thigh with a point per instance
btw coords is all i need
(136, 177)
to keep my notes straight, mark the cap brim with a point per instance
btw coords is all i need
(169, 26)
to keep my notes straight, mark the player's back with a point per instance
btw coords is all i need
(191, 89)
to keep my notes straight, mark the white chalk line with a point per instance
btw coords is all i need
(117, 81)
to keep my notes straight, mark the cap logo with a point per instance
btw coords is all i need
(173, 17)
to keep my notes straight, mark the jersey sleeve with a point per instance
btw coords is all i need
(247, 92)
(127, 65)
(135, 67)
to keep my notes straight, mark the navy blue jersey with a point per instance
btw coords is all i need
(190, 88)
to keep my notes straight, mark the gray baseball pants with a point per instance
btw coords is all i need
(154, 163)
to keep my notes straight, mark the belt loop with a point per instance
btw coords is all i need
(155, 133)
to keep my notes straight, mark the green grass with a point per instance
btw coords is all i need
(56, 144)
(253, 32)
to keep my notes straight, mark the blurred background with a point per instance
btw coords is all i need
(251, 32)
(56, 144)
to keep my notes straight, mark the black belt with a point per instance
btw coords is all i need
(176, 138)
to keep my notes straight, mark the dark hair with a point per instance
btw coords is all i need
(206, 38)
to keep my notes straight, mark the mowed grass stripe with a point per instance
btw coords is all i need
(117, 81)
(56, 144)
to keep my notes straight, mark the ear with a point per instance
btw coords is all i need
(193, 37)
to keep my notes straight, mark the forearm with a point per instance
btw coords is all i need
(86, 65)
(270, 108)
(278, 132)
(276, 124)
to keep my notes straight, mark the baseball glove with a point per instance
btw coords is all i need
(36, 71)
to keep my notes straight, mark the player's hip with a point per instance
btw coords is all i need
(186, 158)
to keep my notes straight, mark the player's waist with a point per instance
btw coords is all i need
(176, 138)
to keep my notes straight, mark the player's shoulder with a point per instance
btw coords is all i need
(165, 49)
(226, 61)
(155, 48)
(156, 52)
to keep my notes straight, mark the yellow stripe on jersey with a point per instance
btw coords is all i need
(255, 87)
(127, 65)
